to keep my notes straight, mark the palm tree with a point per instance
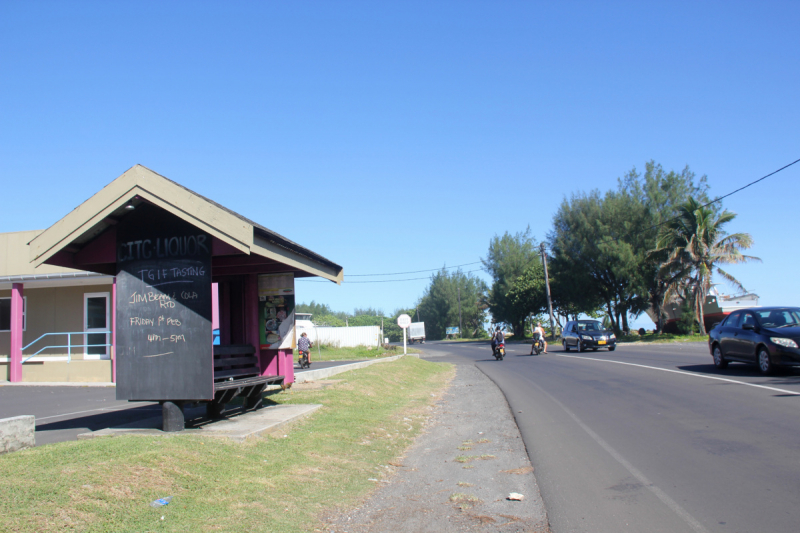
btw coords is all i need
(693, 245)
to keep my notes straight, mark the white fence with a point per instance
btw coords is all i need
(346, 337)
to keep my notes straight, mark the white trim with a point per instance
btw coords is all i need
(86, 296)
(24, 313)
(38, 358)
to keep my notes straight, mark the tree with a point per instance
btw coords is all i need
(695, 244)
(508, 258)
(593, 245)
(660, 193)
(527, 292)
(439, 306)
(600, 244)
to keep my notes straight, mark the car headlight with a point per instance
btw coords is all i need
(786, 343)
(612, 337)
(586, 337)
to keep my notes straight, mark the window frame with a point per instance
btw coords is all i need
(24, 314)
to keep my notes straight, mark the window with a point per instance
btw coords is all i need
(5, 313)
(749, 319)
(733, 320)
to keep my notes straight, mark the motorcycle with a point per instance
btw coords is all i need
(304, 360)
(538, 344)
(500, 351)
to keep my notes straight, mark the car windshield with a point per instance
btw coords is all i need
(780, 318)
(590, 326)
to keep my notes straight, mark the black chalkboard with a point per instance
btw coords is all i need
(164, 344)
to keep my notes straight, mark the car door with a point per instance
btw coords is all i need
(746, 337)
(570, 336)
(727, 337)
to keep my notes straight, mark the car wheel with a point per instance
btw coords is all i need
(580, 347)
(566, 346)
(612, 348)
(764, 364)
(719, 361)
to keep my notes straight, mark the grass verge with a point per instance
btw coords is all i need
(331, 353)
(662, 338)
(272, 484)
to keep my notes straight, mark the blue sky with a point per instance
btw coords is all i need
(401, 136)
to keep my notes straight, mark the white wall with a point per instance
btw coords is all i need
(346, 337)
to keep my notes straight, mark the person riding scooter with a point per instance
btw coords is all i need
(304, 347)
(538, 336)
(498, 341)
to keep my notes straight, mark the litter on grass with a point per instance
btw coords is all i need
(161, 502)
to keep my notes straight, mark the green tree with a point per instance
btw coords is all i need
(508, 258)
(439, 305)
(592, 246)
(695, 244)
(601, 242)
(527, 292)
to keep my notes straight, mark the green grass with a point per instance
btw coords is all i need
(272, 484)
(330, 353)
(662, 338)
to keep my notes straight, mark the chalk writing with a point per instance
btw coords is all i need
(163, 247)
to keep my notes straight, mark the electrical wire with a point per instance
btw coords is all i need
(411, 272)
(715, 200)
(383, 280)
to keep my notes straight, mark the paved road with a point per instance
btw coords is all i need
(651, 437)
(63, 413)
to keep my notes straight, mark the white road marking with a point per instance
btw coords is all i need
(737, 382)
(660, 494)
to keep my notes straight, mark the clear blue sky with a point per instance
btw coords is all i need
(401, 136)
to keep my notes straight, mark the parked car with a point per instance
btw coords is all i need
(587, 334)
(767, 336)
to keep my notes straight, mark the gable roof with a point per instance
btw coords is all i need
(103, 210)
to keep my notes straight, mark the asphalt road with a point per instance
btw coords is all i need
(651, 437)
(63, 413)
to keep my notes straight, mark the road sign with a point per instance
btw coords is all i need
(451, 331)
(404, 321)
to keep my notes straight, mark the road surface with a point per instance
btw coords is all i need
(651, 438)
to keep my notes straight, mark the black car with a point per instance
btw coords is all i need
(767, 336)
(587, 334)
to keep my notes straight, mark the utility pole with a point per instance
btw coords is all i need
(460, 332)
(547, 286)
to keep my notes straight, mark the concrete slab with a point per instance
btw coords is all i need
(17, 433)
(238, 428)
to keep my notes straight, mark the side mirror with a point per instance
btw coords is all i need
(751, 327)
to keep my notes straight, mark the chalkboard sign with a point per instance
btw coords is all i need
(164, 343)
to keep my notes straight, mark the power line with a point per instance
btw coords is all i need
(411, 272)
(715, 200)
(384, 280)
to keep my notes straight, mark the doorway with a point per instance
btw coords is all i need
(95, 324)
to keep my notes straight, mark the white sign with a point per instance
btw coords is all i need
(404, 321)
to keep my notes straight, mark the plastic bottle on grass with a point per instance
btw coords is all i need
(161, 502)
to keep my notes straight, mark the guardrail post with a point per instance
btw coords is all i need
(15, 359)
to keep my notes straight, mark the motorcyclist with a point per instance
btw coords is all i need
(540, 330)
(304, 347)
(498, 339)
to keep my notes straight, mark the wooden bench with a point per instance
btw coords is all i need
(237, 373)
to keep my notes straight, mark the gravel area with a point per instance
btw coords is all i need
(459, 473)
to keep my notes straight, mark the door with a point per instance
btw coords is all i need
(96, 322)
(746, 338)
(727, 334)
